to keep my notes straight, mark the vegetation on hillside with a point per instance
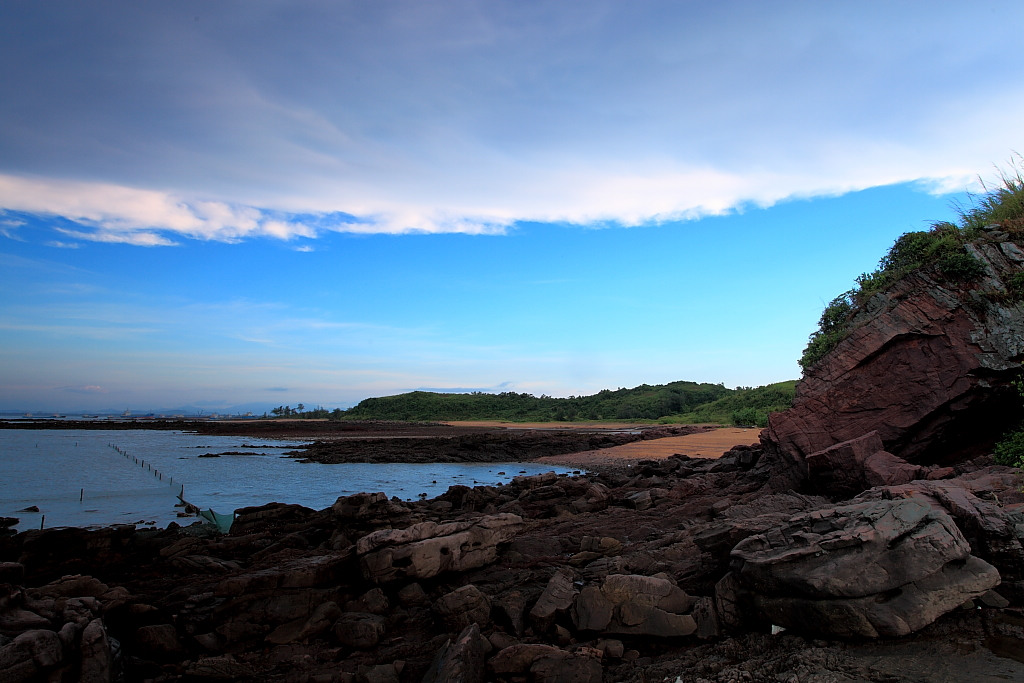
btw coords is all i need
(746, 406)
(299, 412)
(939, 251)
(673, 402)
(1010, 450)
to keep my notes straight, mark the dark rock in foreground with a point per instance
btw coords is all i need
(547, 578)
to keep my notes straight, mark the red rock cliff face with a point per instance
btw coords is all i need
(928, 365)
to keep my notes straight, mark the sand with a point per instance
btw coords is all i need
(711, 444)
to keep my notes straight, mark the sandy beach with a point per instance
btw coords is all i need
(710, 444)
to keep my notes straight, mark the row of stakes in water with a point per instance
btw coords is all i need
(142, 463)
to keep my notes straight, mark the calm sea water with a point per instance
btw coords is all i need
(79, 478)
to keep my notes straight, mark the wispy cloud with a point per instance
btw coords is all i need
(498, 388)
(121, 214)
(87, 389)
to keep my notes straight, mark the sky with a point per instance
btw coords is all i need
(267, 203)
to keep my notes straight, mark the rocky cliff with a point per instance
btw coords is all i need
(927, 363)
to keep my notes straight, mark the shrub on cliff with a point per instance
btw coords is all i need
(1010, 450)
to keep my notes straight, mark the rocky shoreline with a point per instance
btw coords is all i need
(635, 576)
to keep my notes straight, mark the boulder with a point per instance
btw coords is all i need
(895, 613)
(269, 517)
(850, 467)
(631, 604)
(96, 656)
(15, 620)
(463, 607)
(986, 506)
(368, 507)
(461, 661)
(300, 629)
(159, 642)
(72, 586)
(219, 668)
(567, 668)
(412, 595)
(556, 599)
(30, 655)
(517, 659)
(373, 601)
(359, 630)
(379, 673)
(426, 549)
(510, 608)
(11, 572)
(867, 569)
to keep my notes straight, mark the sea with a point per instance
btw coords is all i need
(95, 478)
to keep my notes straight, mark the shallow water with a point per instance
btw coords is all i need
(104, 477)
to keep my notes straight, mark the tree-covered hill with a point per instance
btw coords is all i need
(673, 402)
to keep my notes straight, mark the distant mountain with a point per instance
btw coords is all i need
(257, 409)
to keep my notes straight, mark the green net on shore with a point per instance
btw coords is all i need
(222, 522)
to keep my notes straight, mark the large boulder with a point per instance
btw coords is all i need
(852, 466)
(988, 508)
(631, 604)
(547, 664)
(879, 568)
(30, 655)
(462, 661)
(426, 549)
(928, 364)
(463, 607)
(557, 598)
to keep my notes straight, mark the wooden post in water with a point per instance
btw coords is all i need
(81, 495)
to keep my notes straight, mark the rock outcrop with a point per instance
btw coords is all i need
(988, 508)
(927, 364)
(850, 467)
(876, 568)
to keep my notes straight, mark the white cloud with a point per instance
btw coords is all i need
(119, 214)
(465, 117)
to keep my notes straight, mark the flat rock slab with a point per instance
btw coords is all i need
(426, 549)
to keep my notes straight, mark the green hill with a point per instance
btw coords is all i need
(746, 405)
(673, 402)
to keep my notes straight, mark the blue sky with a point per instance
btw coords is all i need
(270, 202)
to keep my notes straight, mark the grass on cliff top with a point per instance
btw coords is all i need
(941, 251)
